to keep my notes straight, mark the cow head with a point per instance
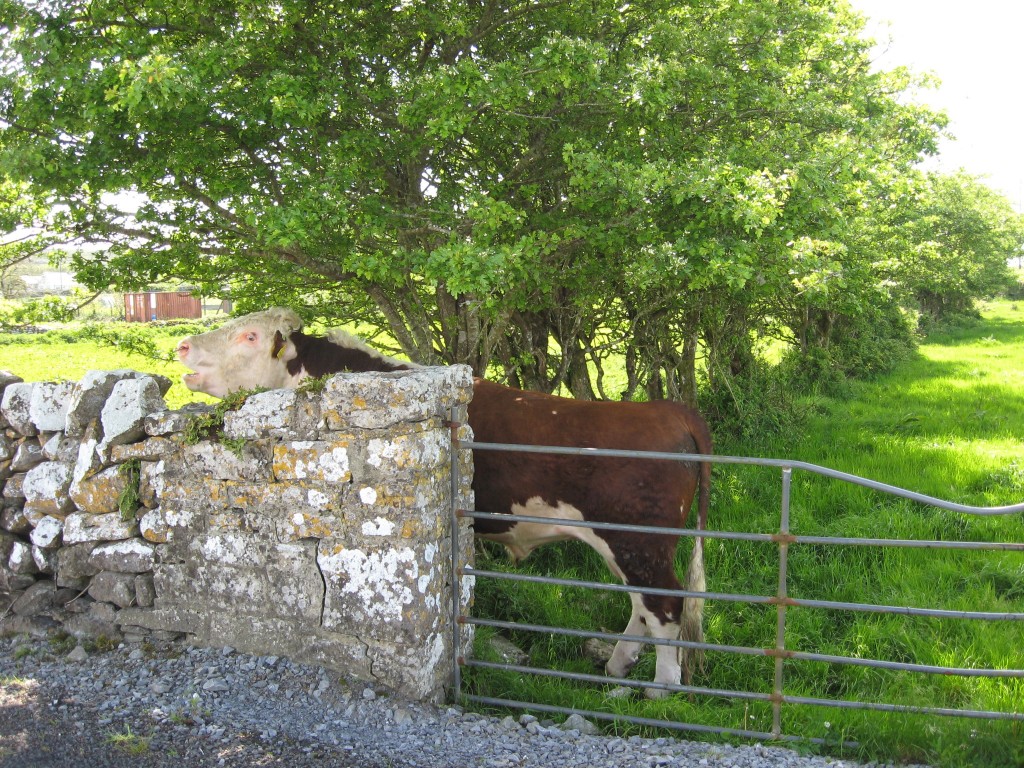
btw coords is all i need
(248, 352)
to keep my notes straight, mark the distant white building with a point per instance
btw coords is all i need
(50, 283)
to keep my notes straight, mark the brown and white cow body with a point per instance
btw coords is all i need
(268, 349)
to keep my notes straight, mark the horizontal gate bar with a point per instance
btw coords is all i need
(609, 587)
(899, 666)
(583, 677)
(718, 459)
(977, 714)
(567, 632)
(768, 538)
(751, 695)
(900, 610)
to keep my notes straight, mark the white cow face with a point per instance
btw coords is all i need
(244, 353)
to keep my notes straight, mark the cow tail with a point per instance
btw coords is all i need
(691, 626)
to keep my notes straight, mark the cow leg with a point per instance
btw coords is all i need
(626, 651)
(668, 669)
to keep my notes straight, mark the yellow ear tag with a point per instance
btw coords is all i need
(280, 352)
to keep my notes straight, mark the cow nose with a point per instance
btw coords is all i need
(183, 349)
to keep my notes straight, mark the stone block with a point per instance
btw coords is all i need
(343, 652)
(48, 533)
(6, 379)
(26, 456)
(150, 450)
(20, 559)
(61, 448)
(7, 542)
(175, 422)
(46, 488)
(111, 587)
(145, 591)
(46, 559)
(14, 519)
(14, 488)
(213, 460)
(153, 526)
(175, 619)
(312, 460)
(37, 598)
(129, 556)
(235, 548)
(101, 492)
(283, 413)
(383, 591)
(125, 411)
(298, 525)
(98, 621)
(86, 402)
(420, 671)
(381, 400)
(81, 527)
(13, 582)
(286, 500)
(48, 405)
(73, 563)
(14, 406)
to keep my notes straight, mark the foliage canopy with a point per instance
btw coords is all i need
(514, 183)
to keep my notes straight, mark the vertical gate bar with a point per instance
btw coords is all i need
(456, 558)
(780, 606)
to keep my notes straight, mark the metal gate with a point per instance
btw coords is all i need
(781, 600)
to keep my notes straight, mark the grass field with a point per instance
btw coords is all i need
(949, 423)
(69, 352)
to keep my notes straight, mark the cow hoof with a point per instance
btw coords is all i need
(617, 670)
(656, 693)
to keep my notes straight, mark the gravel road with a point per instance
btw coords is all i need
(163, 705)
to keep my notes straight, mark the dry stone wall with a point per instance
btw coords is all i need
(313, 525)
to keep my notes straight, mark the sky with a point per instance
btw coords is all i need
(974, 48)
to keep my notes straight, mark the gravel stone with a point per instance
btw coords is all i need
(167, 704)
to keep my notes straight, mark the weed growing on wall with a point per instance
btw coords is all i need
(130, 500)
(210, 425)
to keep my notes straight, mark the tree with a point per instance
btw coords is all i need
(962, 236)
(530, 185)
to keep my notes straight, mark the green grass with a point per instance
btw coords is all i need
(129, 743)
(68, 353)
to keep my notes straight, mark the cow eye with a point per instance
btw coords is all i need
(250, 337)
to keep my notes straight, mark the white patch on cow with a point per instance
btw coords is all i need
(523, 538)
(378, 527)
(368, 495)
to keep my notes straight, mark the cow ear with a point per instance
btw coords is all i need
(283, 348)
